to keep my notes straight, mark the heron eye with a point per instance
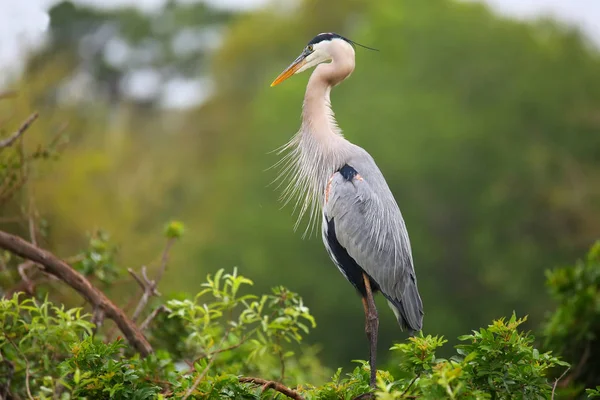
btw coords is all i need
(309, 47)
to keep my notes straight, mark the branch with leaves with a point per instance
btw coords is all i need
(266, 385)
(55, 266)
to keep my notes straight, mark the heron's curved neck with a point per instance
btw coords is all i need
(317, 116)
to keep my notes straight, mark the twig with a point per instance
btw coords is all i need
(22, 268)
(77, 281)
(201, 356)
(3, 267)
(7, 220)
(153, 315)
(410, 384)
(164, 259)
(30, 217)
(148, 287)
(578, 367)
(26, 366)
(98, 318)
(12, 138)
(281, 361)
(7, 94)
(558, 380)
(292, 394)
(8, 377)
(27, 379)
(205, 371)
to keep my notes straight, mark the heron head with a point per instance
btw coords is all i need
(321, 48)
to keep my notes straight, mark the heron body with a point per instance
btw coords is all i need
(339, 182)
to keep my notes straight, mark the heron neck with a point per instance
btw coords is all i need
(317, 116)
(318, 119)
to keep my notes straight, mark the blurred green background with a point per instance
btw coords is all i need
(486, 128)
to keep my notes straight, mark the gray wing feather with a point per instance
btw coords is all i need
(369, 225)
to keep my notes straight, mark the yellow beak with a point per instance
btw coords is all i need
(291, 70)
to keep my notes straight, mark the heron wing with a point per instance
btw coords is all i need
(362, 218)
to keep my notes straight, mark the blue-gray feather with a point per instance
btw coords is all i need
(370, 227)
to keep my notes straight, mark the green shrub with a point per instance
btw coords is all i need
(225, 333)
(572, 329)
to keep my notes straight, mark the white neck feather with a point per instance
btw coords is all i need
(317, 150)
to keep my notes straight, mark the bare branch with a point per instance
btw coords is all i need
(77, 281)
(153, 315)
(410, 384)
(148, 287)
(7, 94)
(98, 318)
(164, 259)
(3, 267)
(558, 380)
(579, 367)
(292, 394)
(31, 220)
(12, 138)
(22, 268)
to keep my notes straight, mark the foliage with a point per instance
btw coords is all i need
(593, 393)
(95, 370)
(48, 351)
(98, 260)
(220, 318)
(497, 362)
(34, 338)
(573, 328)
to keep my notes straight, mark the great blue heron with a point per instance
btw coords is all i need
(363, 229)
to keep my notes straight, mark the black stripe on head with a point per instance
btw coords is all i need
(321, 37)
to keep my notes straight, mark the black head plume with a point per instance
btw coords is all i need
(330, 36)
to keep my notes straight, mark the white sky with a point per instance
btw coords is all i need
(23, 22)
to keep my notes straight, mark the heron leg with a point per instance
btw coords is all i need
(371, 327)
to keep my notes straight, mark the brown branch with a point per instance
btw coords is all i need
(292, 394)
(12, 138)
(3, 267)
(77, 281)
(7, 94)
